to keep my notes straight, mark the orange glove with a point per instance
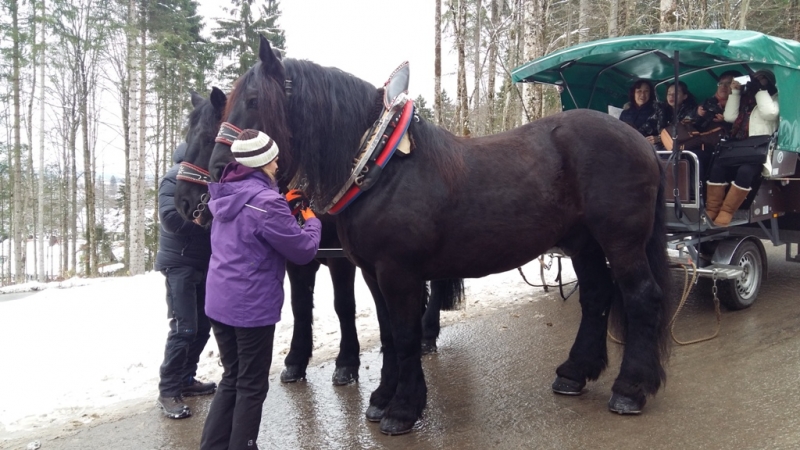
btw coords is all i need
(307, 213)
(297, 201)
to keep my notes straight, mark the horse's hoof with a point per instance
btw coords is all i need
(565, 386)
(343, 376)
(375, 414)
(429, 346)
(621, 404)
(292, 374)
(394, 427)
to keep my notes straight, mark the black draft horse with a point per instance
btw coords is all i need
(204, 122)
(469, 207)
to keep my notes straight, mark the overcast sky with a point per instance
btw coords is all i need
(368, 38)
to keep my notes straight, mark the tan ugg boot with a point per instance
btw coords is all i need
(733, 201)
(715, 193)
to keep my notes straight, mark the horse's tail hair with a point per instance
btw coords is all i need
(451, 293)
(656, 250)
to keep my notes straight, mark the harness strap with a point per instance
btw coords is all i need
(227, 133)
(389, 134)
(193, 174)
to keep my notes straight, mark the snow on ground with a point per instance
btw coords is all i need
(81, 348)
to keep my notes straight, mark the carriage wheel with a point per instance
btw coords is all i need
(741, 293)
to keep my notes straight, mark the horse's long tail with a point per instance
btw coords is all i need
(656, 250)
(450, 292)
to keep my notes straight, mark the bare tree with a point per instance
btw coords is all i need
(437, 65)
(459, 15)
(40, 221)
(476, 43)
(492, 57)
(535, 16)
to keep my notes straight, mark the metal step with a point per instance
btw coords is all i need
(721, 271)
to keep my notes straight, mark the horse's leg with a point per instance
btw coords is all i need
(641, 371)
(301, 279)
(343, 276)
(404, 295)
(383, 394)
(589, 355)
(430, 320)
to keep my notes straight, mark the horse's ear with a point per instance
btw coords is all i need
(196, 98)
(218, 98)
(270, 60)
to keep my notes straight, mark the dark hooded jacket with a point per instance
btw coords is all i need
(180, 243)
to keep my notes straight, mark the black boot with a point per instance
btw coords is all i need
(197, 387)
(174, 408)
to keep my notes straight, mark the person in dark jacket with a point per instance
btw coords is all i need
(643, 112)
(254, 233)
(184, 249)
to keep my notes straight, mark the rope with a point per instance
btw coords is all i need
(544, 285)
(687, 288)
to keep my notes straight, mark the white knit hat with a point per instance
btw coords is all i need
(253, 148)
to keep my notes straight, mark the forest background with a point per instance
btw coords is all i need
(73, 71)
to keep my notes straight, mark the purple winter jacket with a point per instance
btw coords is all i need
(253, 235)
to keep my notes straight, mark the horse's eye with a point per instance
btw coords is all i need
(252, 103)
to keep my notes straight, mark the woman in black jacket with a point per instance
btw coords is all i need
(643, 112)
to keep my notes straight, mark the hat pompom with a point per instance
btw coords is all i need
(254, 148)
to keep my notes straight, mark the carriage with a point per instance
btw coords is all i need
(597, 75)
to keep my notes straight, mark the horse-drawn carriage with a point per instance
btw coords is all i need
(597, 75)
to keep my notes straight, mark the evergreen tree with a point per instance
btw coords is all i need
(237, 36)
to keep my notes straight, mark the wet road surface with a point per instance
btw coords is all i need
(489, 388)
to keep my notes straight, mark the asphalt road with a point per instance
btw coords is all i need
(489, 387)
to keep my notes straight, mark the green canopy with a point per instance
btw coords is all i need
(598, 74)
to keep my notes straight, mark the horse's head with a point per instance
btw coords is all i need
(259, 101)
(191, 191)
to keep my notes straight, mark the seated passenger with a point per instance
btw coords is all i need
(753, 111)
(709, 115)
(694, 130)
(686, 110)
(687, 105)
(643, 112)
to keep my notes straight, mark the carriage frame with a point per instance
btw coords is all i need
(598, 74)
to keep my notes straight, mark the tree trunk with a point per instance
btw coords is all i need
(492, 65)
(583, 20)
(535, 15)
(667, 19)
(88, 179)
(138, 77)
(793, 13)
(18, 215)
(460, 26)
(437, 65)
(744, 9)
(613, 18)
(40, 222)
(30, 193)
(73, 147)
(476, 92)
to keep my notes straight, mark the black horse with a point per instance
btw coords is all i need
(468, 207)
(190, 199)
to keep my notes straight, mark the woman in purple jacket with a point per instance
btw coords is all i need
(253, 235)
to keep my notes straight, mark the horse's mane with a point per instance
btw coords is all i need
(329, 111)
(271, 101)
